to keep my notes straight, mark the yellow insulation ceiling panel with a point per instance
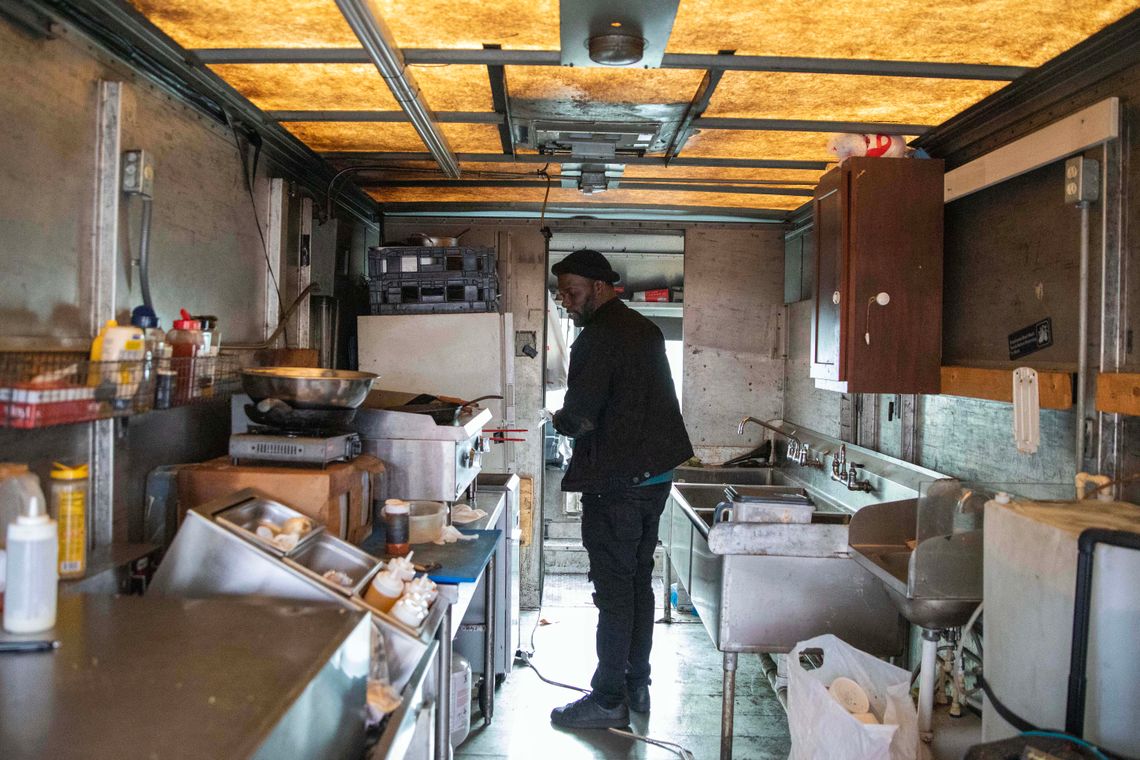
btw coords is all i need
(1004, 32)
(353, 87)
(514, 24)
(579, 85)
(401, 137)
(837, 97)
(249, 23)
(733, 143)
(566, 196)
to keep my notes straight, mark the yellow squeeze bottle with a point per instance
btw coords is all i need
(69, 503)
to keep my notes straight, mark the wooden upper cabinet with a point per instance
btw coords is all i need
(878, 235)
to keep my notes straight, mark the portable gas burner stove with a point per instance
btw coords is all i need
(277, 445)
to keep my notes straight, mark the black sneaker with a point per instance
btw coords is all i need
(638, 698)
(586, 713)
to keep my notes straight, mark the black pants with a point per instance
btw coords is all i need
(619, 531)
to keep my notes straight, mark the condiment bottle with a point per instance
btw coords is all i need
(396, 526)
(410, 610)
(384, 590)
(424, 587)
(69, 505)
(186, 343)
(403, 567)
(154, 343)
(33, 574)
(211, 348)
(18, 487)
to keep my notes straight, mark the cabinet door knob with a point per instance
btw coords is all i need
(835, 297)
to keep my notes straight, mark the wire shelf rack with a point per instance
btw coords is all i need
(41, 389)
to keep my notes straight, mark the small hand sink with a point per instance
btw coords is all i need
(943, 589)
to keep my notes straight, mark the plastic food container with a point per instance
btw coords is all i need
(425, 521)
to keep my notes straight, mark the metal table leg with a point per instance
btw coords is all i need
(487, 697)
(727, 706)
(668, 581)
(443, 690)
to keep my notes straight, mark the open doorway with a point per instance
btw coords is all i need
(652, 282)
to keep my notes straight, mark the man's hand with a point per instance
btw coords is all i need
(571, 425)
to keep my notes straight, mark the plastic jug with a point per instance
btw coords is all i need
(32, 576)
(460, 698)
(120, 351)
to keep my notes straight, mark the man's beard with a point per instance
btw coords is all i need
(585, 315)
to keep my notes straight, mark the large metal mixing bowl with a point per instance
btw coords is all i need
(308, 388)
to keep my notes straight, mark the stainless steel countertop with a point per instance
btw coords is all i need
(151, 677)
(491, 502)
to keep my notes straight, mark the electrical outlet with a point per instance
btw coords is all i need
(138, 173)
(1082, 180)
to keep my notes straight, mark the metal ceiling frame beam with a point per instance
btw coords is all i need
(501, 120)
(492, 57)
(597, 210)
(804, 125)
(383, 52)
(624, 185)
(501, 101)
(534, 158)
(696, 108)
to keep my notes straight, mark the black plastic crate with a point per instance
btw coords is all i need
(385, 261)
(426, 293)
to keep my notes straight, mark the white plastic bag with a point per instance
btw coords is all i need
(823, 730)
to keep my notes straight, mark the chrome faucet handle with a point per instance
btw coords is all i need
(853, 481)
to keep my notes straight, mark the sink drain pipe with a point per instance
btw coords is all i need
(926, 675)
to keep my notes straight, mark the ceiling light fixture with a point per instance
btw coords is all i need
(617, 49)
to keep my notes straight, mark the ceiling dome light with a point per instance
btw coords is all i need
(616, 49)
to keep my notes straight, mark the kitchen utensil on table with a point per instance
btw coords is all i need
(308, 387)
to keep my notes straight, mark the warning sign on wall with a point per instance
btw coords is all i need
(1032, 338)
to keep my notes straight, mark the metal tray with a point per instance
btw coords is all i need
(329, 553)
(244, 518)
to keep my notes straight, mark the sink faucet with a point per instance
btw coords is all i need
(798, 451)
(846, 474)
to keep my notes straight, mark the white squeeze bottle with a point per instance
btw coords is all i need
(33, 572)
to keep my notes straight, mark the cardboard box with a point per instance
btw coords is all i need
(340, 496)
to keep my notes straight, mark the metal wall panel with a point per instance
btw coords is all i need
(804, 404)
(206, 251)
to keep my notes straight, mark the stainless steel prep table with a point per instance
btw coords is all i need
(182, 678)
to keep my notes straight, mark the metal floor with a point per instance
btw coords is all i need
(686, 692)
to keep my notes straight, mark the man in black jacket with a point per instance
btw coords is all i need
(621, 410)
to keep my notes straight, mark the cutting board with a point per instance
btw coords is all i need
(461, 562)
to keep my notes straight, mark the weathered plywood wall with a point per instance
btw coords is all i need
(734, 342)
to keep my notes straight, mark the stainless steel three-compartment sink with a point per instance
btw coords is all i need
(763, 587)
